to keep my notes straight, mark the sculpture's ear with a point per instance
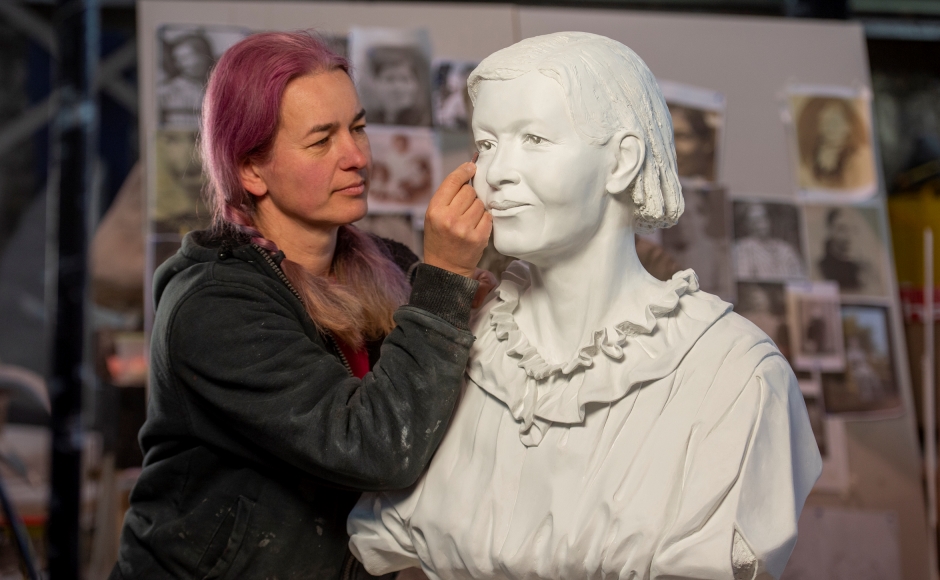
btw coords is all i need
(629, 152)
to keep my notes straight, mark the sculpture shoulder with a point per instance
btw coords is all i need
(744, 352)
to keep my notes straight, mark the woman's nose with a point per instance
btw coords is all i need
(355, 152)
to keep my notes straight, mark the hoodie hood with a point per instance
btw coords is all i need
(199, 247)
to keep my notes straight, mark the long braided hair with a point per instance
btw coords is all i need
(240, 117)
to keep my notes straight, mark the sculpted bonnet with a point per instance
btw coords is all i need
(608, 88)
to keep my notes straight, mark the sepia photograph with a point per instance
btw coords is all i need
(701, 239)
(815, 326)
(449, 98)
(393, 74)
(406, 166)
(697, 116)
(398, 227)
(186, 54)
(833, 143)
(178, 206)
(767, 241)
(846, 245)
(868, 384)
(765, 305)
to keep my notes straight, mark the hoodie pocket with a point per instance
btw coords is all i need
(226, 541)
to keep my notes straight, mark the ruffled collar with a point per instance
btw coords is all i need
(538, 393)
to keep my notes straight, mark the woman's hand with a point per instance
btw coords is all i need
(456, 225)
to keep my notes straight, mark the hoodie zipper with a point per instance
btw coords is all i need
(280, 274)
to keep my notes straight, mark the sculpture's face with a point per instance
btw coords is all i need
(543, 183)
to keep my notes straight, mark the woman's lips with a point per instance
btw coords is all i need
(355, 189)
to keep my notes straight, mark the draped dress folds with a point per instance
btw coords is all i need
(672, 446)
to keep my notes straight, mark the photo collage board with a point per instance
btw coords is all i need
(811, 269)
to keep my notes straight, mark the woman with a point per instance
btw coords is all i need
(612, 425)
(264, 422)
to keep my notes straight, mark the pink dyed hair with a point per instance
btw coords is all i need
(240, 116)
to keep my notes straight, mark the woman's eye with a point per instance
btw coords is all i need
(485, 145)
(359, 129)
(321, 142)
(533, 139)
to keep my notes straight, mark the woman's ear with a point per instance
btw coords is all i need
(629, 152)
(251, 179)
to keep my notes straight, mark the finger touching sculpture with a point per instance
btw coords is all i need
(611, 425)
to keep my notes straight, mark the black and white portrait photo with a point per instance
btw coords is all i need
(815, 326)
(701, 239)
(696, 139)
(393, 74)
(764, 304)
(697, 118)
(406, 165)
(868, 384)
(833, 144)
(846, 246)
(186, 54)
(451, 102)
(767, 241)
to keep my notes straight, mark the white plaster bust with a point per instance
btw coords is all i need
(611, 425)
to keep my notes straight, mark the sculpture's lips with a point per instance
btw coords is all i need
(506, 204)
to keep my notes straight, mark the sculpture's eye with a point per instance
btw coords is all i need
(533, 139)
(484, 145)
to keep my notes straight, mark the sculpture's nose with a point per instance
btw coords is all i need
(502, 169)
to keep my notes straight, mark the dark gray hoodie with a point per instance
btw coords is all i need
(258, 439)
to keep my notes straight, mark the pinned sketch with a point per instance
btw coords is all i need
(697, 116)
(767, 241)
(832, 142)
(765, 305)
(186, 54)
(701, 239)
(841, 544)
(868, 386)
(178, 206)
(847, 245)
(449, 97)
(392, 71)
(406, 168)
(398, 227)
(815, 326)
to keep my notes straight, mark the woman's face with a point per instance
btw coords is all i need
(318, 170)
(542, 182)
(398, 85)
